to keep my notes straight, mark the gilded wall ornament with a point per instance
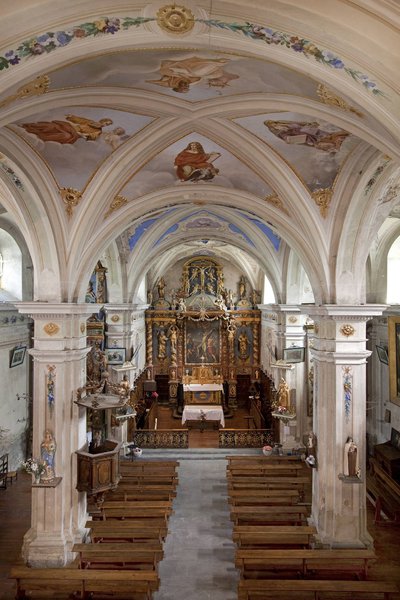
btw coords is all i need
(37, 87)
(71, 199)
(83, 327)
(175, 19)
(116, 204)
(347, 330)
(277, 202)
(51, 328)
(292, 319)
(329, 97)
(115, 318)
(322, 198)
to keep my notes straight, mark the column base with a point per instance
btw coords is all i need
(45, 550)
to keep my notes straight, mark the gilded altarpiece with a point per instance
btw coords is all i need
(197, 329)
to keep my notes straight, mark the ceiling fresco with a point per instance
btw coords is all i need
(316, 150)
(211, 163)
(192, 76)
(74, 143)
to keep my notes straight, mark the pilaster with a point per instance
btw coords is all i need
(59, 368)
(126, 329)
(339, 355)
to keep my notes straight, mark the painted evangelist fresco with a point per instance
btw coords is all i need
(75, 143)
(216, 165)
(315, 150)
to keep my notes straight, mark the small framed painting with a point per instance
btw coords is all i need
(17, 356)
(115, 356)
(293, 355)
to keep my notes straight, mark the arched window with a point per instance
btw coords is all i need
(393, 270)
(10, 268)
(268, 296)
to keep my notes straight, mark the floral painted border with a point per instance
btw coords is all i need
(51, 40)
(348, 391)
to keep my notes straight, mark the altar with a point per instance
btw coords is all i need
(203, 413)
(202, 393)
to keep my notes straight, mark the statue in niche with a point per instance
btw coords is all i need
(283, 393)
(242, 287)
(181, 305)
(243, 344)
(229, 299)
(47, 454)
(161, 288)
(173, 336)
(350, 459)
(149, 297)
(162, 344)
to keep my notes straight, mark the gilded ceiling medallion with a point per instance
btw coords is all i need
(347, 330)
(322, 198)
(115, 318)
(37, 87)
(175, 19)
(116, 204)
(51, 328)
(329, 97)
(71, 199)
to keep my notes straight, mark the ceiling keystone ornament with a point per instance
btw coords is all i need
(51, 328)
(329, 97)
(116, 204)
(277, 202)
(347, 330)
(37, 87)
(175, 19)
(322, 198)
(71, 199)
(115, 318)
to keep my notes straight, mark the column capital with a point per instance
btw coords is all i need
(348, 312)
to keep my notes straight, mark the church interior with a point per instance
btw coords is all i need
(199, 261)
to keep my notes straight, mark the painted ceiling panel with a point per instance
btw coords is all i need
(212, 163)
(193, 75)
(74, 142)
(315, 150)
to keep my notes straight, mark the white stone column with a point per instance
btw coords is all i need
(339, 355)
(59, 368)
(126, 329)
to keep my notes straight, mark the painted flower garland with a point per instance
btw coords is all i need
(49, 41)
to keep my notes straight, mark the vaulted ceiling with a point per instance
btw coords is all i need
(102, 106)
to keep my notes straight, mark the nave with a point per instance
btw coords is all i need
(199, 553)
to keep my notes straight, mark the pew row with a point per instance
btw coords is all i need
(290, 515)
(263, 589)
(308, 561)
(86, 582)
(265, 536)
(118, 556)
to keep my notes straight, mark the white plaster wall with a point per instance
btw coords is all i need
(13, 412)
(11, 281)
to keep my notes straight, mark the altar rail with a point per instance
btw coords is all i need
(245, 438)
(161, 438)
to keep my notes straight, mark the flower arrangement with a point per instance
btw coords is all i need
(154, 395)
(282, 410)
(267, 450)
(35, 466)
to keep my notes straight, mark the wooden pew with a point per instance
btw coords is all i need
(386, 493)
(165, 504)
(143, 464)
(263, 536)
(251, 589)
(157, 516)
(146, 479)
(242, 515)
(132, 584)
(261, 470)
(117, 556)
(254, 561)
(142, 494)
(263, 497)
(123, 531)
(234, 459)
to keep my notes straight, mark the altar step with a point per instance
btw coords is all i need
(195, 453)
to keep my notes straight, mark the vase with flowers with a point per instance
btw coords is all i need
(267, 450)
(36, 467)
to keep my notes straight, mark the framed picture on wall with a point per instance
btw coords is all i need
(382, 354)
(17, 356)
(293, 355)
(115, 356)
(394, 359)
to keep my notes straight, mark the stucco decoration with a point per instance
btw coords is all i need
(51, 328)
(175, 19)
(327, 96)
(322, 198)
(37, 87)
(347, 330)
(117, 203)
(71, 199)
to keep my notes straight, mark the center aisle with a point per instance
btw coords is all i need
(198, 559)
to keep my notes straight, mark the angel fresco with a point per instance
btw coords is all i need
(194, 164)
(179, 75)
(307, 134)
(73, 129)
